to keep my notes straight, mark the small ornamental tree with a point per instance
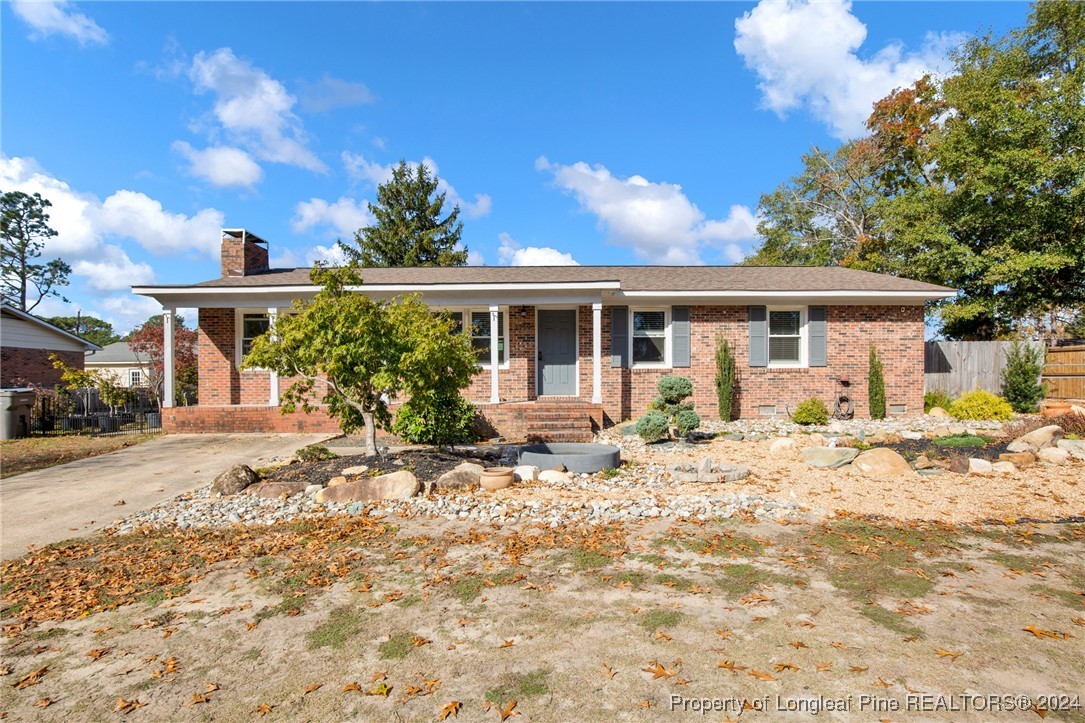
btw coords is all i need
(725, 378)
(1021, 377)
(876, 386)
(673, 390)
(355, 354)
(148, 343)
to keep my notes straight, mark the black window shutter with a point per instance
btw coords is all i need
(680, 333)
(759, 336)
(619, 336)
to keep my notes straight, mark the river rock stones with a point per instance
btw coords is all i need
(234, 480)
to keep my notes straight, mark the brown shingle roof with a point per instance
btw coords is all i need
(631, 278)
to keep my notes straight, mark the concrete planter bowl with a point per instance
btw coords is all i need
(576, 457)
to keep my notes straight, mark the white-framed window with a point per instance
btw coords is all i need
(649, 338)
(135, 377)
(252, 326)
(787, 337)
(478, 327)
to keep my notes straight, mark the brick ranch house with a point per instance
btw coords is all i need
(563, 350)
(25, 345)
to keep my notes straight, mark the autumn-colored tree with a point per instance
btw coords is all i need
(356, 354)
(148, 343)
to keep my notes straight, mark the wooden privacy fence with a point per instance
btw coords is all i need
(1064, 372)
(961, 366)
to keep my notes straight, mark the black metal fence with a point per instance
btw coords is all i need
(81, 411)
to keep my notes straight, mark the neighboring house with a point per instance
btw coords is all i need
(565, 349)
(25, 345)
(118, 360)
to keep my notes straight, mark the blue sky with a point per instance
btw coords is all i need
(596, 133)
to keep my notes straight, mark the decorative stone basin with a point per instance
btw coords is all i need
(574, 456)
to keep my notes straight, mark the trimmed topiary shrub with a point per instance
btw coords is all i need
(652, 427)
(672, 390)
(876, 386)
(812, 411)
(725, 378)
(979, 404)
(1021, 377)
(686, 421)
(936, 398)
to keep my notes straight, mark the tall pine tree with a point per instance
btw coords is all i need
(409, 228)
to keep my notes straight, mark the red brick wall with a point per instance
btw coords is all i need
(20, 366)
(896, 331)
(241, 259)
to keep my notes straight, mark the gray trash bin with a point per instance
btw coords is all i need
(16, 404)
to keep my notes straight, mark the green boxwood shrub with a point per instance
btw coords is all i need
(446, 420)
(936, 398)
(979, 404)
(686, 421)
(652, 427)
(812, 411)
(876, 386)
(314, 453)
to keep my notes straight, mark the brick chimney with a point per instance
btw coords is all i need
(243, 253)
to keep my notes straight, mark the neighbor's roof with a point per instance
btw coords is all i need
(9, 310)
(116, 353)
(628, 278)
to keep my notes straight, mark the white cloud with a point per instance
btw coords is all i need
(253, 109)
(112, 270)
(332, 254)
(475, 258)
(805, 54)
(127, 311)
(330, 93)
(375, 174)
(655, 220)
(48, 17)
(221, 165)
(84, 224)
(343, 217)
(285, 260)
(511, 253)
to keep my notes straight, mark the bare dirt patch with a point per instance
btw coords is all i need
(25, 455)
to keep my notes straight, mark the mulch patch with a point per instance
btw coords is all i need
(910, 449)
(428, 464)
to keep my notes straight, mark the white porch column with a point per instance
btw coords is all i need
(597, 352)
(168, 374)
(273, 392)
(495, 357)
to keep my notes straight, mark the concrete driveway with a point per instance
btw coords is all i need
(75, 499)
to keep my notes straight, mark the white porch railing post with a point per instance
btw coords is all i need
(596, 352)
(168, 374)
(273, 392)
(495, 334)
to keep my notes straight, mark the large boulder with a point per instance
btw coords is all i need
(271, 490)
(977, 465)
(1053, 455)
(234, 480)
(1037, 439)
(882, 462)
(553, 476)
(526, 473)
(463, 476)
(831, 457)
(783, 447)
(1076, 447)
(938, 412)
(1004, 467)
(394, 486)
(1021, 460)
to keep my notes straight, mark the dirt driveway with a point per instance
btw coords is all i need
(71, 500)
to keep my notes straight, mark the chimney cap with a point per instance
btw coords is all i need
(245, 236)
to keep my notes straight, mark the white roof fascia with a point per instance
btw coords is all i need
(738, 296)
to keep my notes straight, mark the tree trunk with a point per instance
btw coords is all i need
(370, 434)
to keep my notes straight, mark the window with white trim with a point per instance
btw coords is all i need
(135, 377)
(480, 337)
(252, 326)
(785, 337)
(649, 337)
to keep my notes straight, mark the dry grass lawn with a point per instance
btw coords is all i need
(25, 455)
